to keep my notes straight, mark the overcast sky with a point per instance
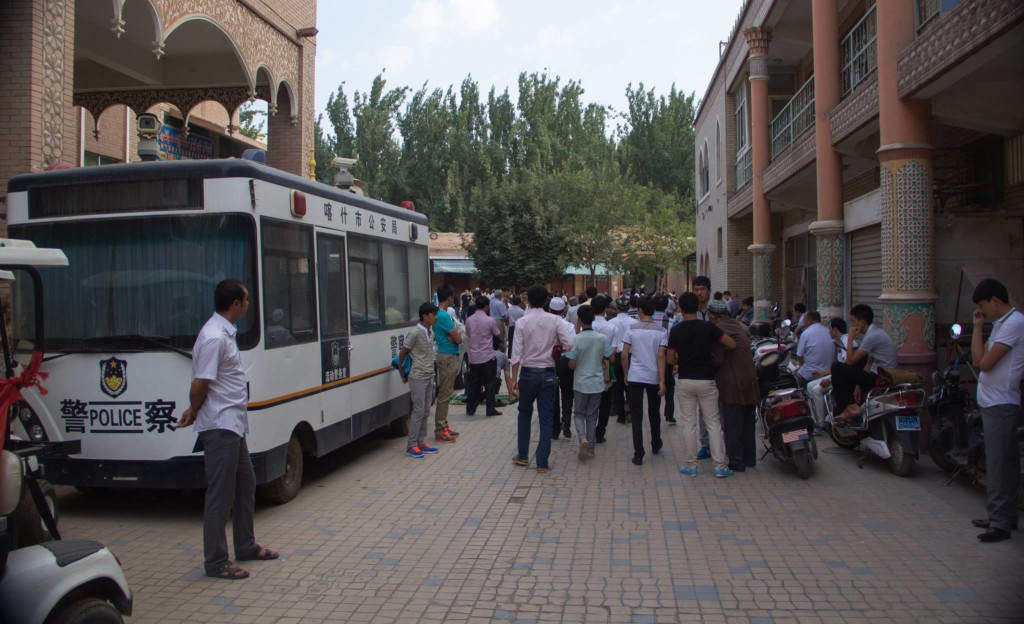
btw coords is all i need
(605, 44)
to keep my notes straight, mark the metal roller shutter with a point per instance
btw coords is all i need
(866, 266)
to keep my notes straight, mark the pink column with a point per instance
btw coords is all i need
(908, 232)
(760, 143)
(828, 229)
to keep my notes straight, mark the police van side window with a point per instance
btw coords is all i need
(289, 313)
(364, 285)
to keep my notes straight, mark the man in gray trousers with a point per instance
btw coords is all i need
(218, 401)
(1001, 361)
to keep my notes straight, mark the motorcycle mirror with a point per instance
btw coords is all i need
(787, 323)
(10, 482)
(955, 331)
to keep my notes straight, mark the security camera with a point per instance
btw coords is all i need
(149, 127)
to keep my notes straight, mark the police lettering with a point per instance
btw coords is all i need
(115, 417)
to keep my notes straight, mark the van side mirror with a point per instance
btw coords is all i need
(955, 331)
(10, 482)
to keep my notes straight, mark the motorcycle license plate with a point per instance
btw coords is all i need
(908, 423)
(794, 436)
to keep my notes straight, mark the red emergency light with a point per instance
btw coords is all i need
(298, 204)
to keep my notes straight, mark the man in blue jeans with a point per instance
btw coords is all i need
(533, 373)
(218, 400)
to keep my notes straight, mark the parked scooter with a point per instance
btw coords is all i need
(957, 442)
(786, 424)
(888, 425)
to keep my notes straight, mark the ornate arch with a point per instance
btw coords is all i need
(118, 22)
(250, 75)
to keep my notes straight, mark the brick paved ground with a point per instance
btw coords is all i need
(466, 536)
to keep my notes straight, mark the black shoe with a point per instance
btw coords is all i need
(567, 432)
(600, 439)
(994, 535)
(621, 421)
(656, 448)
(984, 524)
(738, 468)
(554, 436)
(671, 421)
(494, 413)
(638, 460)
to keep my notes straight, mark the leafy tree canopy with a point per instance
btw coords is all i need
(543, 180)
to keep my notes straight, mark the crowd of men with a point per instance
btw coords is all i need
(578, 359)
(585, 357)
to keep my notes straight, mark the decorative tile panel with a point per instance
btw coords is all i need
(54, 23)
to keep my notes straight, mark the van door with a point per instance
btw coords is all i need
(334, 343)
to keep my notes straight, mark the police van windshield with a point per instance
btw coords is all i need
(142, 284)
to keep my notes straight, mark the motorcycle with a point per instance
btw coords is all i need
(957, 441)
(767, 344)
(888, 426)
(786, 424)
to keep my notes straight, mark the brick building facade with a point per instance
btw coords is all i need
(849, 152)
(77, 72)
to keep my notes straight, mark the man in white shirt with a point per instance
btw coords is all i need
(622, 322)
(610, 331)
(643, 358)
(218, 401)
(1001, 362)
(817, 387)
(533, 374)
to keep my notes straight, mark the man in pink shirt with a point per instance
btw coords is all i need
(533, 373)
(481, 330)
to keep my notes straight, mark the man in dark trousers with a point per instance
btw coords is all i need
(218, 400)
(1001, 362)
(738, 393)
(481, 329)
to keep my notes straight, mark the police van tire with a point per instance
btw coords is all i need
(86, 611)
(399, 426)
(286, 487)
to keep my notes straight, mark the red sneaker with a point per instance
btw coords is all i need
(444, 437)
(449, 431)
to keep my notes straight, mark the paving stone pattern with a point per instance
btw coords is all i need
(466, 536)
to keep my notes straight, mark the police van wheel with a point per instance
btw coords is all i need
(286, 487)
(87, 611)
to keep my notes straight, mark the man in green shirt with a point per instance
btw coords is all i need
(448, 339)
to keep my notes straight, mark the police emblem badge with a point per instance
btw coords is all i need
(335, 354)
(113, 377)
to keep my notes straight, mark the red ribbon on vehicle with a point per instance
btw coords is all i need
(10, 387)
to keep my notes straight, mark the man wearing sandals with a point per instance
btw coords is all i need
(217, 405)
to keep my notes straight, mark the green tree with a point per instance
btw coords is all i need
(248, 116)
(516, 238)
(344, 137)
(323, 152)
(377, 152)
(656, 139)
(660, 235)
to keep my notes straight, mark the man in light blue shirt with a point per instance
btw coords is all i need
(815, 351)
(499, 312)
(1001, 362)
(589, 361)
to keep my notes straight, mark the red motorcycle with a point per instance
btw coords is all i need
(786, 422)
